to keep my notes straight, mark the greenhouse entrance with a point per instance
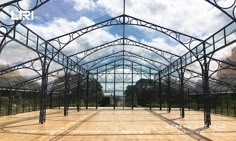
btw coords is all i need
(125, 84)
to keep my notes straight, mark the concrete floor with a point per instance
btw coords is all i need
(115, 125)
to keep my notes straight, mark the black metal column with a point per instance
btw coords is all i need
(59, 103)
(227, 102)
(97, 90)
(0, 102)
(17, 101)
(78, 95)
(181, 91)
(168, 94)
(123, 80)
(206, 92)
(87, 90)
(114, 93)
(34, 100)
(198, 104)
(160, 91)
(188, 100)
(132, 65)
(50, 104)
(23, 97)
(29, 100)
(221, 103)
(44, 86)
(67, 90)
(150, 90)
(106, 79)
(9, 103)
(43, 94)
(215, 103)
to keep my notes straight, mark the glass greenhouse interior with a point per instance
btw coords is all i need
(122, 54)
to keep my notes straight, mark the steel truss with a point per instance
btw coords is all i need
(173, 75)
(167, 56)
(120, 54)
(184, 39)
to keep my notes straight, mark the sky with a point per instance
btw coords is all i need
(57, 17)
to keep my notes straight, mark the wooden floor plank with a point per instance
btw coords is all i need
(116, 125)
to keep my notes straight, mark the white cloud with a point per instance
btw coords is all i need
(161, 43)
(112, 7)
(93, 39)
(197, 18)
(59, 26)
(83, 4)
(132, 38)
(3, 62)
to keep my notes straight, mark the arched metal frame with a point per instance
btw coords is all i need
(229, 10)
(123, 59)
(122, 53)
(9, 27)
(183, 39)
(202, 53)
(125, 41)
